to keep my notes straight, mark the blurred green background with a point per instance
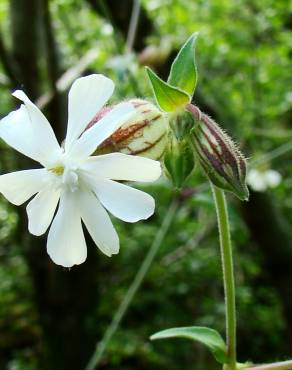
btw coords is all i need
(52, 318)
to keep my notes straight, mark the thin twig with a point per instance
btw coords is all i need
(69, 76)
(273, 154)
(133, 26)
(64, 82)
(118, 41)
(189, 246)
(272, 133)
(117, 37)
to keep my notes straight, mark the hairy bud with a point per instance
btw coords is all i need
(179, 161)
(179, 157)
(181, 123)
(145, 134)
(219, 157)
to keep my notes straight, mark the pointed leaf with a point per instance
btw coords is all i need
(209, 337)
(183, 72)
(167, 97)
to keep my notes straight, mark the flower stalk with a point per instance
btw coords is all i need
(228, 275)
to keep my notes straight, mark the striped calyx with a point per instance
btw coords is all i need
(145, 134)
(179, 157)
(219, 157)
(179, 161)
(181, 123)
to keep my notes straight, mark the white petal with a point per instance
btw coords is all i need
(86, 97)
(124, 202)
(19, 186)
(41, 209)
(98, 223)
(118, 166)
(66, 244)
(28, 131)
(94, 136)
(16, 130)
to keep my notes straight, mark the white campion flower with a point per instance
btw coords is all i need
(83, 185)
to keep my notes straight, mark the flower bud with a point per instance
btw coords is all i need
(219, 157)
(179, 157)
(181, 123)
(145, 134)
(179, 161)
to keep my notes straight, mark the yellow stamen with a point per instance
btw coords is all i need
(59, 170)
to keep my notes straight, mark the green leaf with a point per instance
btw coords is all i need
(183, 72)
(168, 98)
(209, 337)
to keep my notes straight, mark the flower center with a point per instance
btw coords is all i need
(58, 170)
(66, 175)
(70, 179)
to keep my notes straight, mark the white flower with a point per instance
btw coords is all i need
(262, 180)
(83, 185)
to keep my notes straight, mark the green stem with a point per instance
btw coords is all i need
(273, 154)
(122, 309)
(285, 365)
(228, 275)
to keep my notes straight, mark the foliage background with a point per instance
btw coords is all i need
(51, 318)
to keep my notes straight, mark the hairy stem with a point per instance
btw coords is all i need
(122, 309)
(228, 275)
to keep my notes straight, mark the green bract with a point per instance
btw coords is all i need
(209, 337)
(168, 98)
(183, 72)
(219, 157)
(181, 83)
